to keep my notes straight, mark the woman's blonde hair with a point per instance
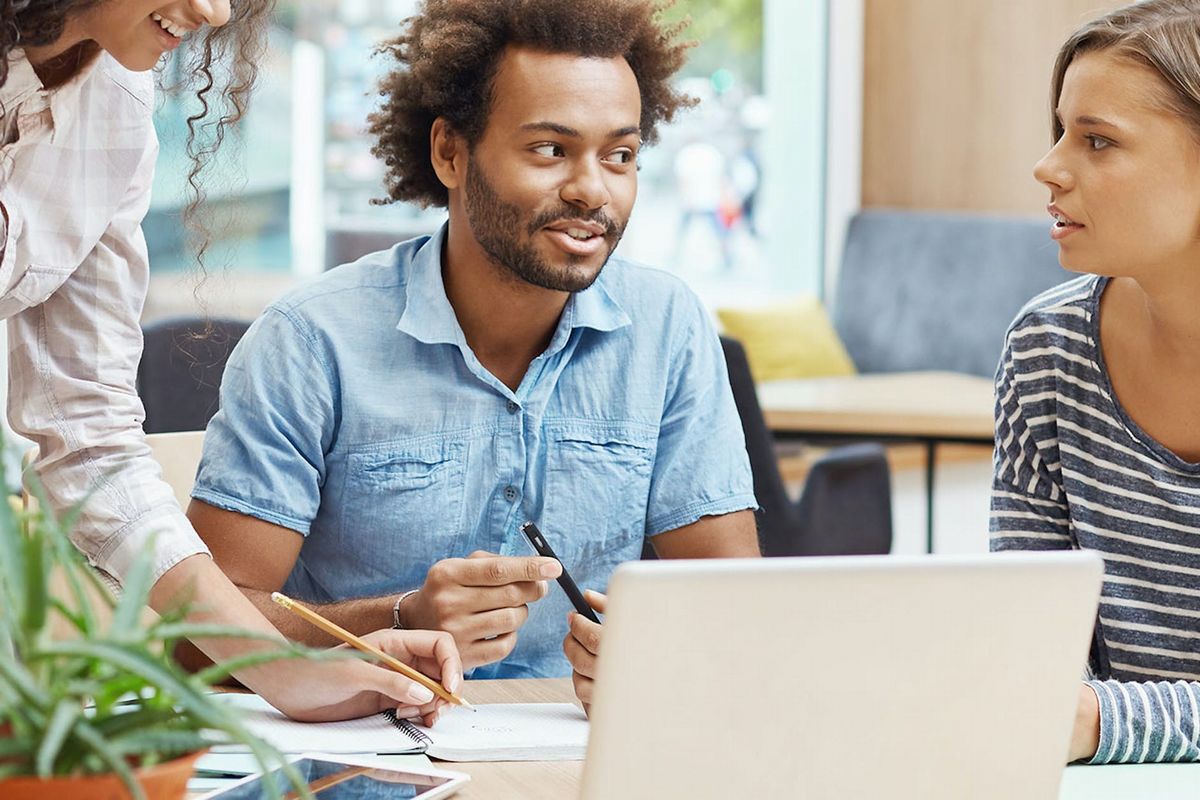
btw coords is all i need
(1163, 35)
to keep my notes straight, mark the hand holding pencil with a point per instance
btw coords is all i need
(415, 655)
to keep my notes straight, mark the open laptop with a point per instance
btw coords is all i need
(860, 677)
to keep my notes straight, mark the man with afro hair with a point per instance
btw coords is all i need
(386, 430)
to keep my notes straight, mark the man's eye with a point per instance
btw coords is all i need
(549, 150)
(621, 157)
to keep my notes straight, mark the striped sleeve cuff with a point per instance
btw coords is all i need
(1147, 722)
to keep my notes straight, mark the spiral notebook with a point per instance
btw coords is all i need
(495, 732)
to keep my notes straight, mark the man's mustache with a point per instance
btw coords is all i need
(611, 228)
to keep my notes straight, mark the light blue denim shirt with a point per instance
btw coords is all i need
(355, 413)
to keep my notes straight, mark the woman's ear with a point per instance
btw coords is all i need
(447, 152)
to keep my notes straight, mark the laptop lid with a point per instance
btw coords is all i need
(921, 677)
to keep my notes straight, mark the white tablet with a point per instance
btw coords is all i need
(345, 777)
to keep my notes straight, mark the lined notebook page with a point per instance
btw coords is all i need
(509, 732)
(374, 734)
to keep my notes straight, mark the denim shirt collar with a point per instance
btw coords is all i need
(428, 316)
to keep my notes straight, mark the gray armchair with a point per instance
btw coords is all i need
(936, 291)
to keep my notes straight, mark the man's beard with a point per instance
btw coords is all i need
(498, 227)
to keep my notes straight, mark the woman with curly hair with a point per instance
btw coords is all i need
(77, 151)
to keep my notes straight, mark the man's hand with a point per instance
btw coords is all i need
(1086, 736)
(480, 600)
(332, 690)
(582, 646)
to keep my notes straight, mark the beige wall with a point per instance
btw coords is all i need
(956, 100)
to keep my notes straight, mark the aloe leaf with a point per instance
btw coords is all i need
(110, 756)
(66, 713)
(121, 723)
(82, 616)
(22, 682)
(137, 662)
(219, 672)
(203, 630)
(114, 689)
(12, 570)
(81, 567)
(14, 747)
(77, 621)
(35, 585)
(135, 591)
(169, 742)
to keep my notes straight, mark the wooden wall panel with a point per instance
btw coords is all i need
(956, 100)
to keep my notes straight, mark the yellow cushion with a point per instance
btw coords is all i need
(791, 340)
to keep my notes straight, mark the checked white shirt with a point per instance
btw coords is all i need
(76, 166)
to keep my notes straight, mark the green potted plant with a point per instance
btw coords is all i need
(102, 711)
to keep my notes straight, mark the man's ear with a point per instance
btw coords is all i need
(448, 154)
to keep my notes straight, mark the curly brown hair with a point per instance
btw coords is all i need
(235, 49)
(448, 55)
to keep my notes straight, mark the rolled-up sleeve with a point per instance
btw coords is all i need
(73, 361)
(701, 467)
(264, 452)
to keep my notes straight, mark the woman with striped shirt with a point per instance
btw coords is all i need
(77, 152)
(1097, 419)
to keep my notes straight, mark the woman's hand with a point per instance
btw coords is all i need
(1086, 736)
(319, 691)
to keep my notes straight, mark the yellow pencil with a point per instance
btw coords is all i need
(349, 638)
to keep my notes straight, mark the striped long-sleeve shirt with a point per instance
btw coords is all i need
(1073, 470)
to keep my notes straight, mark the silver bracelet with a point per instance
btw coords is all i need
(396, 608)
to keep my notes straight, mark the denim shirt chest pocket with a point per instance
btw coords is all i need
(597, 490)
(402, 504)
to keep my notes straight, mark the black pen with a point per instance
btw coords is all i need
(564, 580)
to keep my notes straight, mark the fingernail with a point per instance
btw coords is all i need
(408, 712)
(455, 682)
(550, 569)
(419, 694)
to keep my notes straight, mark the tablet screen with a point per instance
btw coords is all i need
(330, 780)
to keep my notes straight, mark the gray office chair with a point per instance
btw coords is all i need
(179, 377)
(846, 505)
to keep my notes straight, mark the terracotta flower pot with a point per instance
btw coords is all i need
(167, 781)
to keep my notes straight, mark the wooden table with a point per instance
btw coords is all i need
(932, 408)
(559, 780)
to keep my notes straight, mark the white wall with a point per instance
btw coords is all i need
(794, 36)
(843, 179)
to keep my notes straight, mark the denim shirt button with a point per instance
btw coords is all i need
(510, 493)
(513, 407)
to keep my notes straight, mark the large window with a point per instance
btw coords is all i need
(730, 199)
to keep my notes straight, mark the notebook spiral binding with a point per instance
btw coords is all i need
(407, 728)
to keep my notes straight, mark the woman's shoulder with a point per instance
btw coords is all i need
(1063, 313)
